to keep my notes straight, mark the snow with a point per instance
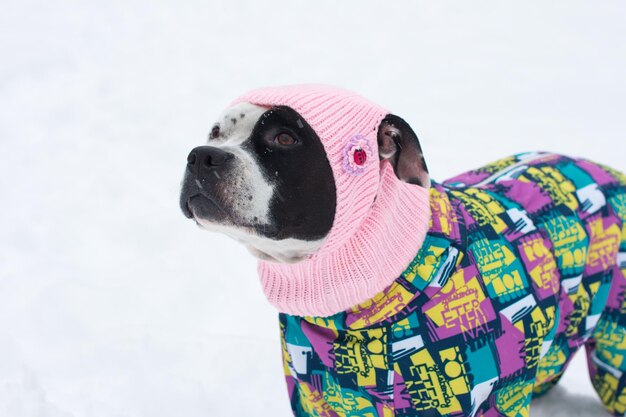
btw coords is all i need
(111, 302)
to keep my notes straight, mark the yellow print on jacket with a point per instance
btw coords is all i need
(606, 387)
(360, 352)
(604, 244)
(463, 311)
(514, 399)
(611, 343)
(421, 271)
(551, 365)
(498, 266)
(427, 385)
(618, 202)
(560, 189)
(570, 242)
(582, 302)
(313, 402)
(441, 209)
(346, 402)
(482, 207)
(461, 307)
(455, 370)
(537, 331)
(384, 305)
(544, 274)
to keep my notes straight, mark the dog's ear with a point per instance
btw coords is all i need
(398, 144)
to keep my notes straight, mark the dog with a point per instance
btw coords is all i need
(402, 296)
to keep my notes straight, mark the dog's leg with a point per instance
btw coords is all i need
(555, 356)
(607, 367)
(552, 366)
(606, 351)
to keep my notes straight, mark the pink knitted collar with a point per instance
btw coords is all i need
(381, 249)
(380, 222)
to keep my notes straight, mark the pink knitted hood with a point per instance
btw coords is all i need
(380, 221)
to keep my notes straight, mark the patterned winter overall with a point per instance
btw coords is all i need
(524, 262)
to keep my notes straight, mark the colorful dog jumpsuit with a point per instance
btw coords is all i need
(524, 262)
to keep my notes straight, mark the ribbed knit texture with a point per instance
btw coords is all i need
(380, 222)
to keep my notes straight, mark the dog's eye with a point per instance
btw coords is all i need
(215, 132)
(284, 139)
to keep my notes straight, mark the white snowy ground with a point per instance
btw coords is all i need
(111, 302)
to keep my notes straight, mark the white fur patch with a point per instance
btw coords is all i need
(235, 129)
(284, 250)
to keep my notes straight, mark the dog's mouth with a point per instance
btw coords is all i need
(186, 209)
(200, 206)
(209, 212)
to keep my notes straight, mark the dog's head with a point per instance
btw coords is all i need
(264, 178)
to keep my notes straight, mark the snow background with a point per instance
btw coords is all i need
(111, 302)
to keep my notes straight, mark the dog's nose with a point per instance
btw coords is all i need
(207, 157)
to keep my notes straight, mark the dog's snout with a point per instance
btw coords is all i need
(207, 157)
